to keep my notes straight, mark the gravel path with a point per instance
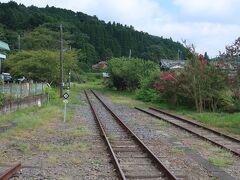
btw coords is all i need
(73, 150)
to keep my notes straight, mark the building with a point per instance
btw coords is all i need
(100, 65)
(3, 47)
(167, 64)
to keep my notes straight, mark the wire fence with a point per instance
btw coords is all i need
(22, 89)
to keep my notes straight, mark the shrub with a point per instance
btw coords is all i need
(201, 85)
(126, 74)
(146, 92)
(2, 99)
(5, 98)
(52, 93)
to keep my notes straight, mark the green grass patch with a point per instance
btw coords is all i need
(161, 124)
(24, 148)
(221, 161)
(220, 157)
(29, 118)
(79, 131)
(177, 151)
(62, 148)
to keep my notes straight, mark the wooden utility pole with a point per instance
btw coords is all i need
(61, 62)
(130, 53)
(19, 42)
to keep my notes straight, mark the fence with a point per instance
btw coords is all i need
(22, 89)
(12, 106)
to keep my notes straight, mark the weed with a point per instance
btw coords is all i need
(53, 159)
(96, 162)
(161, 124)
(74, 161)
(24, 148)
(77, 132)
(220, 161)
(113, 138)
(177, 151)
(62, 148)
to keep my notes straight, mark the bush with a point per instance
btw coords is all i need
(201, 85)
(52, 93)
(126, 74)
(146, 92)
(5, 98)
(2, 99)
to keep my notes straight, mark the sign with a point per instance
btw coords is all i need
(65, 95)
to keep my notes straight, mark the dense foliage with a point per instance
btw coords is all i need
(39, 29)
(126, 74)
(40, 65)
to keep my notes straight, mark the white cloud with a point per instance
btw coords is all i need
(208, 37)
(208, 7)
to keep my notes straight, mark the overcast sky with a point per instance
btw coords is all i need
(209, 24)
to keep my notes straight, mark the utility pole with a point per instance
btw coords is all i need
(61, 62)
(130, 53)
(19, 42)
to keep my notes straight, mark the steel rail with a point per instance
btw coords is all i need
(159, 164)
(103, 134)
(10, 172)
(196, 124)
(190, 131)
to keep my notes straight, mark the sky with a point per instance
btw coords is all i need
(208, 24)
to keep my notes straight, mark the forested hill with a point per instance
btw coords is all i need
(96, 40)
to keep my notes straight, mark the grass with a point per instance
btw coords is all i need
(24, 148)
(61, 147)
(221, 161)
(96, 161)
(53, 159)
(177, 151)
(31, 118)
(28, 119)
(161, 124)
(220, 157)
(79, 131)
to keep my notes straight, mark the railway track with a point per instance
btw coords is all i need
(6, 172)
(217, 138)
(131, 158)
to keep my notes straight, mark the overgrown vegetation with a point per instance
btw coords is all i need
(40, 65)
(5, 98)
(126, 73)
(200, 84)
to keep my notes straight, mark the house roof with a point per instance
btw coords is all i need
(4, 46)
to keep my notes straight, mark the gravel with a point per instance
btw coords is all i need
(174, 146)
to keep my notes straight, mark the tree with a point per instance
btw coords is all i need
(40, 65)
(127, 73)
(234, 49)
(206, 57)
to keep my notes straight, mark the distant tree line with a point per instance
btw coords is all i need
(94, 39)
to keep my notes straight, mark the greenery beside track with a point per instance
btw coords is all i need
(23, 121)
(226, 122)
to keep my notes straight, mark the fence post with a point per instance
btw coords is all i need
(20, 89)
(35, 89)
(11, 89)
